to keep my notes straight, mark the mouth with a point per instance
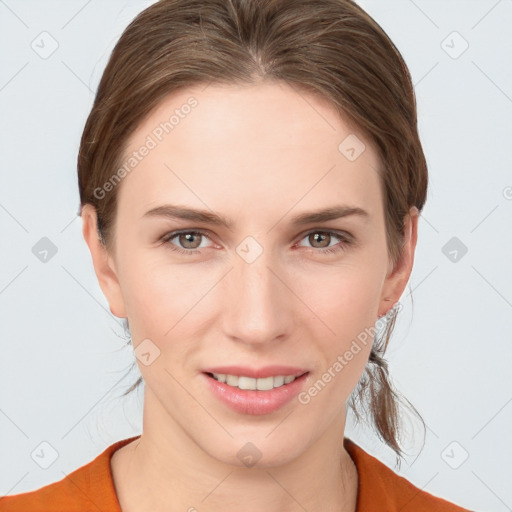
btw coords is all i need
(255, 395)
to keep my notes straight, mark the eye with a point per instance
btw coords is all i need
(321, 240)
(189, 240)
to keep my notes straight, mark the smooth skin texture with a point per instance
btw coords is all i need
(258, 156)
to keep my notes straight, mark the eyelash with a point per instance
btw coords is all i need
(345, 242)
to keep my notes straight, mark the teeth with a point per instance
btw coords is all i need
(264, 384)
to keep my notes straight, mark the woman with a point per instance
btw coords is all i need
(251, 178)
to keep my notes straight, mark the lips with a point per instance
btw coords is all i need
(257, 373)
(251, 401)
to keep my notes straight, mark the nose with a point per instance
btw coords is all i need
(258, 302)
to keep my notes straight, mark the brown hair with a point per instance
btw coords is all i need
(330, 48)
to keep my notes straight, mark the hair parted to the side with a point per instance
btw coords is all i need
(330, 48)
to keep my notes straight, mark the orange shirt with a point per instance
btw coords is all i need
(90, 488)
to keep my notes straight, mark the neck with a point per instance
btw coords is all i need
(165, 470)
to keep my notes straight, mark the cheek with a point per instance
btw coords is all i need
(345, 297)
(157, 295)
(160, 302)
(344, 303)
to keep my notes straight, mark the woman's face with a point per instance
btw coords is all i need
(266, 290)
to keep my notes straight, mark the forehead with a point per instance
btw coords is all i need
(234, 146)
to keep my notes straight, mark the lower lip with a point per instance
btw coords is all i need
(249, 401)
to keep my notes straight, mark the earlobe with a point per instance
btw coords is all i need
(103, 262)
(397, 279)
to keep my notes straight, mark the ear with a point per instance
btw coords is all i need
(103, 262)
(397, 277)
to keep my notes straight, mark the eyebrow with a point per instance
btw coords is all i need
(323, 215)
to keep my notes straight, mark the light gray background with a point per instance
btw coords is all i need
(63, 359)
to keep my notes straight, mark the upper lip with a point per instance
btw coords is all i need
(257, 373)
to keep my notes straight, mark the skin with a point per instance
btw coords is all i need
(257, 155)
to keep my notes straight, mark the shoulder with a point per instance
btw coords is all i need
(380, 488)
(87, 489)
(56, 496)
